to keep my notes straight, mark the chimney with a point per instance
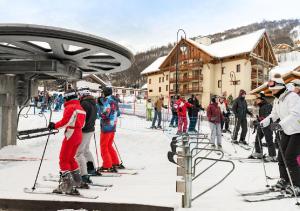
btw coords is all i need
(203, 40)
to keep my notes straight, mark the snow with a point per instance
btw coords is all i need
(155, 184)
(295, 33)
(234, 46)
(154, 67)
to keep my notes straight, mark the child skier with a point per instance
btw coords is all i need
(74, 120)
(181, 105)
(285, 117)
(108, 122)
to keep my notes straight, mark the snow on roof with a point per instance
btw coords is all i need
(144, 86)
(154, 67)
(234, 46)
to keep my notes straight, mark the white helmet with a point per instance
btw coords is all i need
(84, 91)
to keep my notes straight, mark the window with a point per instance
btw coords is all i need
(159, 79)
(167, 87)
(123, 91)
(167, 77)
(238, 68)
(223, 70)
(150, 90)
(159, 89)
(219, 83)
(131, 92)
(149, 80)
(163, 79)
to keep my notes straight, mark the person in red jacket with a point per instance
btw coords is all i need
(73, 120)
(181, 106)
(215, 117)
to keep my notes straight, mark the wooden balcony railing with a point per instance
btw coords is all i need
(187, 91)
(187, 79)
(184, 66)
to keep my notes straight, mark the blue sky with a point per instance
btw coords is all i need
(142, 24)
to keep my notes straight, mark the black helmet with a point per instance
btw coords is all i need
(107, 91)
(70, 95)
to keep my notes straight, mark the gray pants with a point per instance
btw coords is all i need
(157, 115)
(84, 154)
(215, 133)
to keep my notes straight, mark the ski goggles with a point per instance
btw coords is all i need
(272, 84)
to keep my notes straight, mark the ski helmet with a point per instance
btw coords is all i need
(107, 91)
(70, 95)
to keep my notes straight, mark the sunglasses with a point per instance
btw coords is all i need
(274, 83)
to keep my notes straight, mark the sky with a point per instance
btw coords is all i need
(143, 24)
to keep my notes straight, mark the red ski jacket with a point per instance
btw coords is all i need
(73, 118)
(181, 107)
(214, 114)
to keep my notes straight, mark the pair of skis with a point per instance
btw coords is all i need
(99, 186)
(264, 195)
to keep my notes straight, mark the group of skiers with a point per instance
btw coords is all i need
(180, 108)
(75, 160)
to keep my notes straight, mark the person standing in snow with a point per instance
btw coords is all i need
(108, 123)
(215, 118)
(158, 106)
(181, 105)
(264, 110)
(193, 113)
(149, 110)
(84, 155)
(285, 118)
(73, 120)
(240, 110)
(225, 112)
(174, 119)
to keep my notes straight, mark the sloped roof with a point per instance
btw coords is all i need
(154, 67)
(234, 46)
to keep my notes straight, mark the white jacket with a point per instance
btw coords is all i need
(287, 109)
(222, 107)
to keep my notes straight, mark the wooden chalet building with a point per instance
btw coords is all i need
(205, 69)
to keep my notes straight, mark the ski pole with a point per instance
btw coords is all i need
(286, 166)
(118, 152)
(38, 172)
(262, 158)
(96, 150)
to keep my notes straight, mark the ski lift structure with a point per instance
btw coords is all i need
(33, 53)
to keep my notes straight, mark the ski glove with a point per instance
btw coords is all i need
(275, 126)
(51, 126)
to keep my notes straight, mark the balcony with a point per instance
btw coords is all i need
(184, 67)
(187, 79)
(187, 91)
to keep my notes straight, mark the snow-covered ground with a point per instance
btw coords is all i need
(155, 184)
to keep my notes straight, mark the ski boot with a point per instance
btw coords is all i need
(220, 147)
(178, 133)
(234, 141)
(78, 183)
(86, 179)
(280, 185)
(159, 127)
(213, 146)
(153, 127)
(119, 166)
(290, 190)
(66, 184)
(270, 159)
(243, 142)
(256, 155)
(111, 170)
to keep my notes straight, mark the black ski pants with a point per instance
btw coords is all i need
(290, 145)
(240, 122)
(268, 134)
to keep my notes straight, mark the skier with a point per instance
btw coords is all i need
(149, 110)
(74, 120)
(181, 105)
(240, 110)
(158, 105)
(84, 156)
(108, 122)
(215, 117)
(174, 119)
(264, 110)
(225, 112)
(285, 117)
(294, 86)
(193, 113)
